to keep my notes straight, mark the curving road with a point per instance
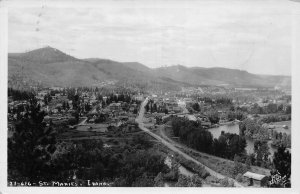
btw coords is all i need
(172, 147)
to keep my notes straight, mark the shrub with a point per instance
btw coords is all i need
(231, 183)
(194, 167)
(239, 177)
(226, 182)
(212, 179)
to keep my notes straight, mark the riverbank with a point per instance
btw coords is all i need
(220, 165)
(229, 123)
(216, 132)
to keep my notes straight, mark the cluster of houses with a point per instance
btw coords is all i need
(189, 91)
(59, 108)
(117, 116)
(19, 106)
(172, 105)
(174, 109)
(166, 103)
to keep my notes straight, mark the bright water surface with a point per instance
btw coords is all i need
(234, 128)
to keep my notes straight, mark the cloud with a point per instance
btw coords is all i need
(199, 33)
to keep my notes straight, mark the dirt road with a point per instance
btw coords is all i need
(172, 147)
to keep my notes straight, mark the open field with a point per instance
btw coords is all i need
(71, 134)
(279, 126)
(101, 128)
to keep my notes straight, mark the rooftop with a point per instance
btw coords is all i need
(254, 175)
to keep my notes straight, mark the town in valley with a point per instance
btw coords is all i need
(149, 94)
(132, 134)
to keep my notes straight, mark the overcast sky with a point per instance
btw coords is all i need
(249, 35)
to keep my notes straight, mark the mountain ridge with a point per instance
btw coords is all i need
(51, 66)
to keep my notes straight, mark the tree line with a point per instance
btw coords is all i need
(20, 94)
(191, 133)
(254, 129)
(232, 146)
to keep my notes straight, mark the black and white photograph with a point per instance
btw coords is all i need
(149, 93)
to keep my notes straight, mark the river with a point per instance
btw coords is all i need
(234, 128)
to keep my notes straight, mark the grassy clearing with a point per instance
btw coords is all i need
(288, 123)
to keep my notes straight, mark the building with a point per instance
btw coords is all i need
(188, 100)
(191, 117)
(115, 106)
(139, 97)
(56, 88)
(256, 180)
(177, 109)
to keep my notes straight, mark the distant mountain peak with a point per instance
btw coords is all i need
(46, 55)
(46, 49)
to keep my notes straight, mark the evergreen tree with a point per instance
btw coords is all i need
(248, 162)
(147, 107)
(261, 149)
(158, 180)
(282, 162)
(31, 146)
